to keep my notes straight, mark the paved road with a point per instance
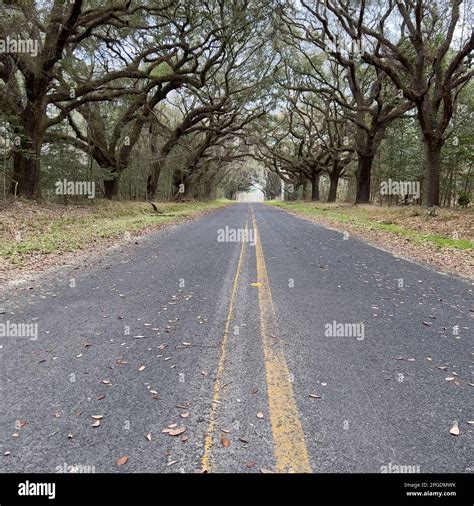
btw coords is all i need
(231, 340)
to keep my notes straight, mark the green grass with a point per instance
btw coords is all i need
(370, 218)
(68, 230)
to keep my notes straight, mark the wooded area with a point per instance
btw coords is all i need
(320, 100)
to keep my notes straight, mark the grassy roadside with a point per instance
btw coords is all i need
(36, 230)
(410, 223)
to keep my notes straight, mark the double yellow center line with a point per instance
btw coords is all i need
(290, 452)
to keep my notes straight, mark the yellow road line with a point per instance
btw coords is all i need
(291, 454)
(208, 440)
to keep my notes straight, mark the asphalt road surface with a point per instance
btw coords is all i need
(287, 348)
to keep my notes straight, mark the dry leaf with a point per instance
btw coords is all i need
(177, 432)
(148, 436)
(96, 423)
(225, 442)
(260, 414)
(250, 464)
(315, 396)
(141, 368)
(184, 415)
(97, 417)
(122, 460)
(454, 430)
(21, 423)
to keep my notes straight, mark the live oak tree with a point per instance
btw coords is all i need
(425, 48)
(328, 62)
(28, 81)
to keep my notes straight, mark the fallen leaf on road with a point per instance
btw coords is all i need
(187, 344)
(97, 417)
(225, 442)
(106, 382)
(141, 368)
(265, 471)
(260, 415)
(122, 460)
(454, 430)
(148, 436)
(250, 464)
(16, 434)
(96, 423)
(184, 439)
(21, 423)
(428, 324)
(184, 415)
(449, 378)
(243, 440)
(315, 396)
(177, 432)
